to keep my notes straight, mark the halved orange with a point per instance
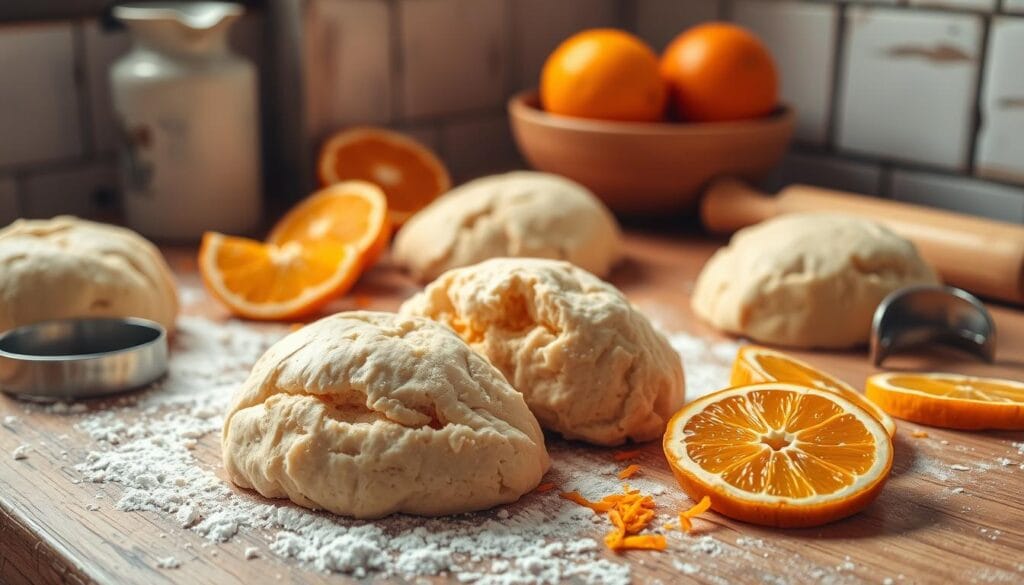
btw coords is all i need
(759, 364)
(350, 212)
(270, 282)
(779, 454)
(409, 173)
(950, 400)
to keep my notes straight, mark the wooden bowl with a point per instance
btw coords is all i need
(647, 167)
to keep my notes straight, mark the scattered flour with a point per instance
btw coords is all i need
(146, 445)
(706, 364)
(21, 452)
(959, 467)
(685, 568)
(168, 563)
(11, 420)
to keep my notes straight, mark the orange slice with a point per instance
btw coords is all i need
(779, 454)
(269, 282)
(950, 400)
(410, 175)
(351, 212)
(756, 364)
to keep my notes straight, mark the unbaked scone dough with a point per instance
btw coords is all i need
(367, 414)
(590, 365)
(806, 280)
(68, 267)
(518, 214)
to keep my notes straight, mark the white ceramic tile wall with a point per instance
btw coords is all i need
(959, 194)
(102, 48)
(1000, 153)
(538, 26)
(73, 190)
(454, 55)
(8, 201)
(801, 37)
(826, 171)
(659, 21)
(909, 83)
(39, 116)
(477, 147)
(347, 64)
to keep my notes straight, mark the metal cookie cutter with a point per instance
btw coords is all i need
(926, 314)
(81, 358)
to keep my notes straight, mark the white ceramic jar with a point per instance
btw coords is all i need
(188, 111)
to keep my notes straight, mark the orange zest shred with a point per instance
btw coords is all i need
(629, 471)
(697, 509)
(919, 434)
(630, 512)
(545, 487)
(624, 455)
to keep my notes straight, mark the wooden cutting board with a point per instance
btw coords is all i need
(918, 531)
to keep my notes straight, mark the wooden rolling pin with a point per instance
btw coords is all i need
(983, 256)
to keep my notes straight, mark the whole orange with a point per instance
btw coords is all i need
(605, 74)
(719, 71)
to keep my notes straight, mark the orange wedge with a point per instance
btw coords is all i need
(408, 172)
(756, 364)
(950, 400)
(351, 212)
(270, 282)
(779, 454)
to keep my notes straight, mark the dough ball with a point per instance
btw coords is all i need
(368, 414)
(68, 267)
(519, 214)
(806, 280)
(589, 364)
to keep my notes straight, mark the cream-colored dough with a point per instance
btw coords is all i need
(367, 414)
(68, 267)
(806, 280)
(519, 214)
(590, 365)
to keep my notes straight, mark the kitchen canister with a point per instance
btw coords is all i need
(188, 113)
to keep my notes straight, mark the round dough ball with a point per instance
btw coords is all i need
(368, 414)
(806, 280)
(590, 365)
(519, 214)
(68, 267)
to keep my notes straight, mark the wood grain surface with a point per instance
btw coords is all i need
(919, 531)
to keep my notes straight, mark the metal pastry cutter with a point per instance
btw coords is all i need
(81, 358)
(915, 316)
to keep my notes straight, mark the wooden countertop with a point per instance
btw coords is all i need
(918, 531)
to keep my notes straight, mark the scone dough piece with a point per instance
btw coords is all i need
(590, 365)
(368, 414)
(806, 280)
(518, 214)
(68, 267)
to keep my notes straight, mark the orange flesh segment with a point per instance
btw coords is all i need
(341, 218)
(399, 172)
(250, 270)
(973, 389)
(757, 364)
(817, 448)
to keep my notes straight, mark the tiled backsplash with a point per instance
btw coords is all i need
(919, 100)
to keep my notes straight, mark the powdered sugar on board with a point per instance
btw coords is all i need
(147, 446)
